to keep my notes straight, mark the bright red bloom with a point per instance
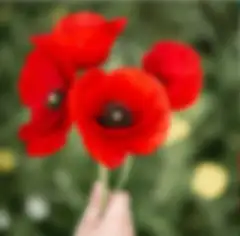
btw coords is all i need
(119, 113)
(178, 66)
(85, 38)
(43, 88)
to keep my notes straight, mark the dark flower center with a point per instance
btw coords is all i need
(55, 99)
(115, 115)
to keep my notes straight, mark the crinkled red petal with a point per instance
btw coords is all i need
(60, 57)
(111, 156)
(80, 94)
(78, 27)
(85, 50)
(178, 66)
(39, 77)
(44, 122)
(72, 22)
(76, 35)
(116, 26)
(44, 146)
(145, 145)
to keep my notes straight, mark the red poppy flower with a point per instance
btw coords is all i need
(43, 88)
(178, 66)
(85, 38)
(125, 111)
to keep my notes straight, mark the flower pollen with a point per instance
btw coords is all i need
(115, 115)
(55, 99)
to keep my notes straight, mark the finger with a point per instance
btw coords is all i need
(91, 216)
(117, 220)
(93, 209)
(118, 206)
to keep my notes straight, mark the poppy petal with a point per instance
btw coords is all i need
(117, 25)
(103, 152)
(72, 22)
(90, 80)
(39, 77)
(46, 43)
(27, 132)
(178, 67)
(76, 34)
(39, 39)
(44, 121)
(45, 146)
(145, 146)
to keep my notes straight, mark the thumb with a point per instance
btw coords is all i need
(91, 216)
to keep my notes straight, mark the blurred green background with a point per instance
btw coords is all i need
(190, 187)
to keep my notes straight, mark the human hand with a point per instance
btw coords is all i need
(116, 221)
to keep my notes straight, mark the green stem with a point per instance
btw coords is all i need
(124, 175)
(103, 176)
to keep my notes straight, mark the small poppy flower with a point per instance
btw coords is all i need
(121, 112)
(85, 38)
(43, 88)
(178, 67)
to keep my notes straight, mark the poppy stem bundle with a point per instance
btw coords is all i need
(104, 179)
(125, 171)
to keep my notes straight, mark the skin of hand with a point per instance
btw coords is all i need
(116, 220)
